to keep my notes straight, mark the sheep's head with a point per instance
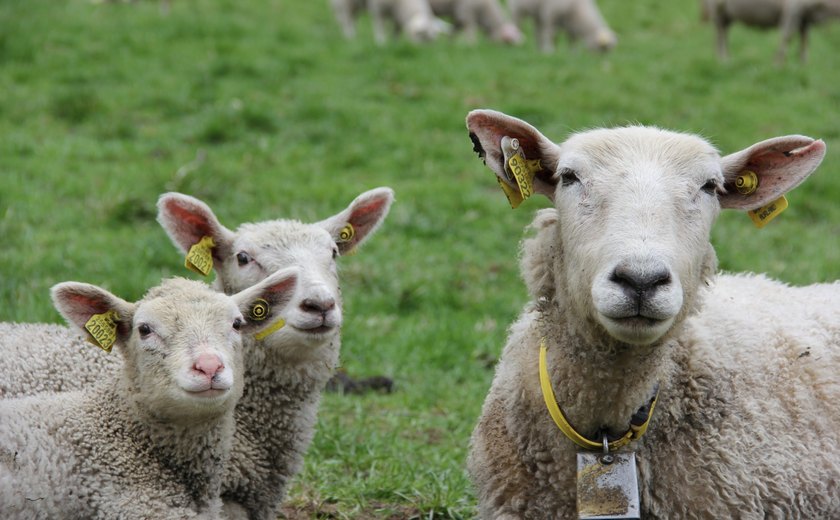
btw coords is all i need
(254, 251)
(182, 342)
(626, 248)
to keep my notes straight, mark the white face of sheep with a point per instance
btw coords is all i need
(254, 251)
(635, 207)
(634, 210)
(182, 342)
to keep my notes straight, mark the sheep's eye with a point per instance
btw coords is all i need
(243, 258)
(144, 330)
(335, 253)
(568, 177)
(710, 187)
(237, 324)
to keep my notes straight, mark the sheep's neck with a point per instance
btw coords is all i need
(209, 436)
(597, 388)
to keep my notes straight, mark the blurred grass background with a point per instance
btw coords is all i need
(263, 110)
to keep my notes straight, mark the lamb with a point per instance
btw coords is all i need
(412, 17)
(789, 15)
(149, 440)
(732, 376)
(581, 20)
(472, 15)
(285, 372)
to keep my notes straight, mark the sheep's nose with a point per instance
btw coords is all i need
(208, 364)
(637, 279)
(317, 305)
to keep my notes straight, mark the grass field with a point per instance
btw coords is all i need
(260, 108)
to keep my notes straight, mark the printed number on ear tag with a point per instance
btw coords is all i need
(765, 214)
(103, 329)
(607, 486)
(518, 169)
(200, 256)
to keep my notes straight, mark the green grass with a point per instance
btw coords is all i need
(260, 108)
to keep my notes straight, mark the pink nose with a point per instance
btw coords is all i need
(208, 364)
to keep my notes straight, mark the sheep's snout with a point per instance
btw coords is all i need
(209, 365)
(637, 299)
(320, 306)
(638, 284)
(207, 373)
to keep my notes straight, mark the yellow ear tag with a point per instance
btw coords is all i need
(347, 233)
(200, 257)
(103, 329)
(522, 169)
(765, 214)
(259, 310)
(746, 183)
(277, 325)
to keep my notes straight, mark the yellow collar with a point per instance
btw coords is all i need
(634, 432)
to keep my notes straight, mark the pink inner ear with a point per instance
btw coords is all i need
(88, 305)
(189, 222)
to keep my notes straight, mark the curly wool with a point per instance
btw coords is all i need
(752, 351)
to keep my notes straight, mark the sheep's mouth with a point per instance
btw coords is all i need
(638, 321)
(315, 331)
(208, 393)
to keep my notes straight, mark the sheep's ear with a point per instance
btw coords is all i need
(262, 304)
(360, 219)
(767, 170)
(488, 127)
(188, 220)
(104, 318)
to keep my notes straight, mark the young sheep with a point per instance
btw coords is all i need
(285, 372)
(626, 299)
(581, 20)
(472, 15)
(149, 440)
(791, 16)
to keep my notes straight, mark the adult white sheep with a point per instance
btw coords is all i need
(285, 371)
(580, 19)
(791, 16)
(625, 301)
(470, 16)
(149, 440)
(414, 18)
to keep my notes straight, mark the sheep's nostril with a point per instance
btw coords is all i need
(208, 364)
(317, 306)
(639, 280)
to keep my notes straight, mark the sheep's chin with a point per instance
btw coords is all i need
(636, 330)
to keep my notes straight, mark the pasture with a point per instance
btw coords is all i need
(263, 110)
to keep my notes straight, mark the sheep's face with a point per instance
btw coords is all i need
(182, 343)
(254, 251)
(314, 316)
(185, 347)
(627, 247)
(635, 208)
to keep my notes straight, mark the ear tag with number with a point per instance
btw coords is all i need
(607, 486)
(200, 256)
(519, 172)
(103, 329)
(765, 214)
